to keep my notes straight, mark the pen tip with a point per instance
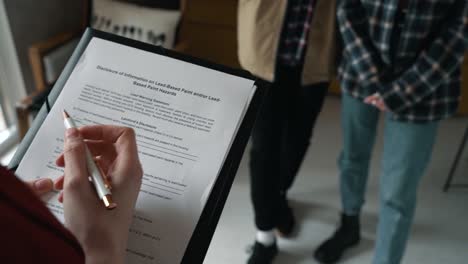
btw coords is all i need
(65, 114)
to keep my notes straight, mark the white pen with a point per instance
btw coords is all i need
(103, 188)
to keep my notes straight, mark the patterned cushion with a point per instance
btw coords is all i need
(152, 25)
(164, 4)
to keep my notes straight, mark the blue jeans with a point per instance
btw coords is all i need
(407, 151)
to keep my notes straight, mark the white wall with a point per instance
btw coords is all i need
(12, 86)
(34, 21)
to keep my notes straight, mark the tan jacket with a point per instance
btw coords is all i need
(259, 28)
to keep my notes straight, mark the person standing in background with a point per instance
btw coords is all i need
(290, 44)
(402, 58)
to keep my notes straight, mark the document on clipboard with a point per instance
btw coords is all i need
(186, 116)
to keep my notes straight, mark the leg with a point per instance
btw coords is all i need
(266, 164)
(407, 151)
(359, 125)
(303, 106)
(303, 110)
(359, 122)
(264, 161)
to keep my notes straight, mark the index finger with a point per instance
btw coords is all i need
(123, 138)
(103, 132)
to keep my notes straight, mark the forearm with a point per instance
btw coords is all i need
(105, 255)
(100, 246)
(104, 259)
(434, 66)
(359, 50)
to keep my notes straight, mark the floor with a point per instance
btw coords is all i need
(440, 232)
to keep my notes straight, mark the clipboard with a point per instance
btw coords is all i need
(202, 235)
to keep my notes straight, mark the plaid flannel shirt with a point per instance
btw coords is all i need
(421, 81)
(296, 28)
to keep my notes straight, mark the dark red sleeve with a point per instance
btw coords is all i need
(29, 233)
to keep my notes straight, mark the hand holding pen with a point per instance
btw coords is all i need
(98, 230)
(96, 174)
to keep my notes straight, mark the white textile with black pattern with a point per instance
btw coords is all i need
(152, 25)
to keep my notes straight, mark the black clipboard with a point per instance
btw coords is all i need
(206, 226)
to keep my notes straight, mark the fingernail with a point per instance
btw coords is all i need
(72, 133)
(56, 183)
(42, 184)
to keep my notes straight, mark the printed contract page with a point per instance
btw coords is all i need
(185, 117)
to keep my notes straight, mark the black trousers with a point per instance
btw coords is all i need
(280, 139)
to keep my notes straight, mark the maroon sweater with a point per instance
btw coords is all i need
(29, 233)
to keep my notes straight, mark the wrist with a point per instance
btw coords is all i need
(104, 256)
(394, 99)
(103, 247)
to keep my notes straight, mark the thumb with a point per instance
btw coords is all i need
(41, 186)
(369, 99)
(76, 171)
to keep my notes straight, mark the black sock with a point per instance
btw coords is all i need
(346, 236)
